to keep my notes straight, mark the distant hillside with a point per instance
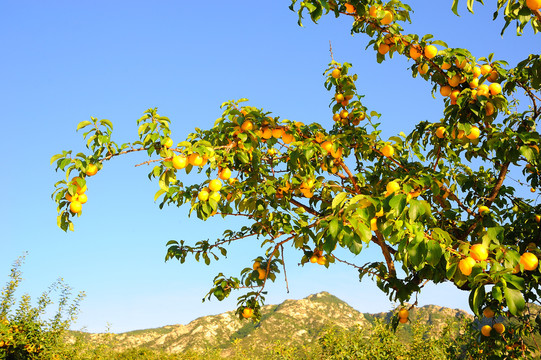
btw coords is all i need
(293, 322)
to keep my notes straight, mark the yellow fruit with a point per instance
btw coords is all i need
(91, 170)
(374, 224)
(76, 207)
(387, 150)
(431, 51)
(454, 96)
(445, 90)
(247, 313)
(168, 143)
(216, 196)
(336, 153)
(482, 90)
(71, 198)
(485, 330)
(495, 88)
(423, 69)
(180, 162)
(81, 190)
(533, 4)
(474, 83)
(266, 133)
(321, 260)
(403, 313)
(247, 125)
(485, 69)
(82, 198)
(483, 209)
(313, 259)
(383, 48)
(336, 117)
(465, 265)
(336, 73)
(474, 133)
(415, 53)
(203, 195)
(538, 218)
(224, 174)
(392, 187)
(339, 97)
(195, 159)
(344, 114)
(499, 327)
(528, 260)
(440, 132)
(476, 71)
(373, 11)
(261, 273)
(488, 313)
(215, 185)
(479, 252)
(387, 18)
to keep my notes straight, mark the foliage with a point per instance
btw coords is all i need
(24, 334)
(438, 202)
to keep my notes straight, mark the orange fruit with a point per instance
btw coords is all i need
(454, 96)
(461, 64)
(71, 198)
(336, 73)
(247, 125)
(483, 209)
(485, 330)
(266, 133)
(493, 76)
(423, 69)
(76, 207)
(344, 114)
(387, 150)
(180, 161)
(383, 48)
(287, 138)
(403, 313)
(247, 313)
(336, 117)
(499, 327)
(313, 259)
(336, 153)
(350, 9)
(538, 218)
(261, 274)
(415, 53)
(256, 265)
(339, 97)
(168, 143)
(387, 18)
(195, 159)
(489, 109)
(455, 80)
(374, 224)
(440, 132)
(474, 83)
(402, 320)
(321, 260)
(482, 90)
(474, 133)
(533, 4)
(488, 312)
(445, 66)
(431, 51)
(277, 132)
(82, 198)
(81, 190)
(479, 252)
(495, 88)
(465, 265)
(373, 11)
(445, 90)
(476, 71)
(528, 260)
(224, 174)
(91, 170)
(216, 196)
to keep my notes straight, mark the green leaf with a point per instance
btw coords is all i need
(434, 252)
(334, 228)
(56, 157)
(158, 194)
(515, 300)
(83, 124)
(339, 199)
(476, 299)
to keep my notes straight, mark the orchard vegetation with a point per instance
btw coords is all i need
(439, 203)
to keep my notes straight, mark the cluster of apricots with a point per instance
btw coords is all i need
(486, 330)
(473, 135)
(479, 252)
(79, 198)
(318, 257)
(261, 273)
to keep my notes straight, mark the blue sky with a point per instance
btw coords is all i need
(64, 61)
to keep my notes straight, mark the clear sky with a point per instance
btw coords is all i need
(64, 61)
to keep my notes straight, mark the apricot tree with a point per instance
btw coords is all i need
(438, 202)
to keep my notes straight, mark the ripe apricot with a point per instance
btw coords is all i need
(387, 18)
(474, 133)
(403, 313)
(495, 88)
(387, 150)
(247, 125)
(465, 265)
(440, 132)
(479, 252)
(215, 185)
(374, 224)
(415, 53)
(266, 133)
(350, 9)
(339, 97)
(499, 327)
(256, 265)
(336, 73)
(168, 143)
(485, 69)
(431, 51)
(461, 64)
(180, 161)
(489, 109)
(488, 312)
(445, 90)
(203, 195)
(423, 69)
(476, 71)
(321, 260)
(445, 66)
(277, 132)
(195, 159)
(383, 48)
(454, 81)
(485, 330)
(344, 114)
(528, 260)
(82, 198)
(483, 209)
(392, 187)
(287, 138)
(224, 174)
(482, 90)
(474, 83)
(493, 76)
(402, 320)
(247, 313)
(76, 207)
(533, 4)
(261, 274)
(91, 170)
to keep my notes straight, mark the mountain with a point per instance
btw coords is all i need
(293, 322)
